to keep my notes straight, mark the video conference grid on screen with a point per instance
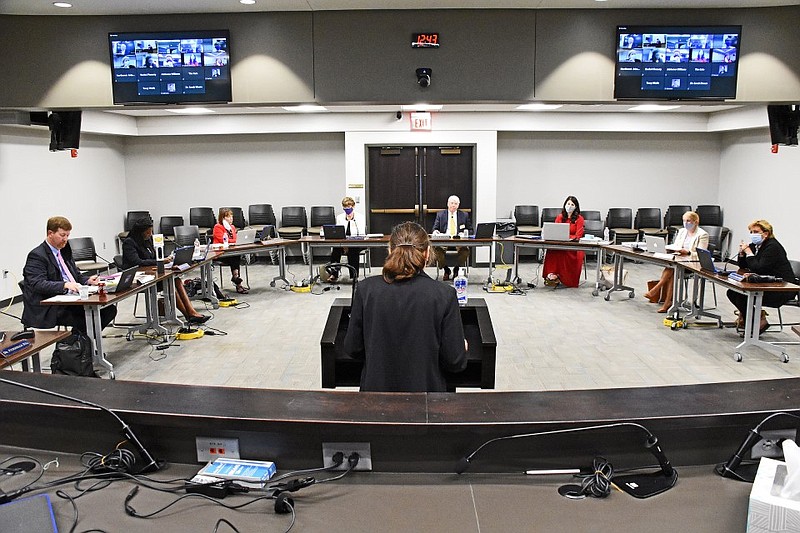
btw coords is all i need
(169, 67)
(687, 63)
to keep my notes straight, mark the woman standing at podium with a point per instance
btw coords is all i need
(564, 266)
(404, 325)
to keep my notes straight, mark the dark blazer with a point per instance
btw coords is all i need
(769, 259)
(442, 218)
(43, 279)
(407, 333)
(134, 254)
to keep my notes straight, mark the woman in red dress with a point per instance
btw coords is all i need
(564, 266)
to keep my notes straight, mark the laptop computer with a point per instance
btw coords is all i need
(183, 256)
(707, 263)
(246, 236)
(125, 281)
(332, 231)
(484, 230)
(555, 231)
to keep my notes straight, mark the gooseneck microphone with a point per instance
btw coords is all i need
(728, 468)
(637, 485)
(150, 464)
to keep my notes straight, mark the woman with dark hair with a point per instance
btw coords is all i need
(138, 250)
(225, 231)
(764, 255)
(404, 325)
(564, 266)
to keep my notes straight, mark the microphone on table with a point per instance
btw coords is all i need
(728, 468)
(151, 464)
(637, 485)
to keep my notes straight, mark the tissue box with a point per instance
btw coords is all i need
(768, 512)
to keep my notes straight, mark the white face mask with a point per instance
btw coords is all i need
(569, 208)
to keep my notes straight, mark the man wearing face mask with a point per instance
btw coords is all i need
(690, 237)
(564, 266)
(766, 256)
(354, 224)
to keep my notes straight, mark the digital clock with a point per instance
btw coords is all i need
(425, 40)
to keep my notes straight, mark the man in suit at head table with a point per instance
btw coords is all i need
(451, 222)
(49, 271)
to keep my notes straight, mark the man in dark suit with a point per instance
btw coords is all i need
(451, 222)
(50, 270)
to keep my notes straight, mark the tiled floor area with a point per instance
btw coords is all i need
(548, 339)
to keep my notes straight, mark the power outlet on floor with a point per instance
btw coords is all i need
(209, 448)
(769, 445)
(362, 448)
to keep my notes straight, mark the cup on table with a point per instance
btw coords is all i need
(83, 292)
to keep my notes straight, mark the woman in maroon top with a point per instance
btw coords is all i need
(564, 266)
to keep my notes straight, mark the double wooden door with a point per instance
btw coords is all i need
(413, 183)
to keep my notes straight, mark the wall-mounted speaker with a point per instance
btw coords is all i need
(783, 124)
(65, 130)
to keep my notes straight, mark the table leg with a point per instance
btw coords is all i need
(619, 274)
(281, 267)
(517, 279)
(310, 263)
(170, 305)
(752, 321)
(95, 330)
(598, 274)
(207, 284)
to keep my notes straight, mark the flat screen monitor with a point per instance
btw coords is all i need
(676, 62)
(179, 67)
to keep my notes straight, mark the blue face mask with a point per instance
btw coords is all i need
(688, 226)
(756, 238)
(348, 210)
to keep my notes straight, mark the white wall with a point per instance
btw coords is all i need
(36, 184)
(168, 175)
(757, 184)
(606, 170)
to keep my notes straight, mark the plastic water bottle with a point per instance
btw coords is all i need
(460, 283)
(605, 234)
(197, 247)
(225, 240)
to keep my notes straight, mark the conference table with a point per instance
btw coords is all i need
(96, 302)
(521, 241)
(683, 267)
(218, 251)
(315, 241)
(41, 340)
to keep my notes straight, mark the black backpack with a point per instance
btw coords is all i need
(73, 356)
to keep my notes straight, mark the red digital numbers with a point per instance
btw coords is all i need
(425, 40)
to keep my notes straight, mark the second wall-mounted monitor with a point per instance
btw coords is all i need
(179, 67)
(676, 62)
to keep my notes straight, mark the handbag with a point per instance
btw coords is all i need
(73, 356)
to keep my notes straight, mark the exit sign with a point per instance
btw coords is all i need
(420, 122)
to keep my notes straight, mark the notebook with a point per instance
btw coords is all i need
(484, 230)
(332, 231)
(125, 281)
(246, 236)
(555, 231)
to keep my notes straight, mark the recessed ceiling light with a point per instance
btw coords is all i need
(62, 4)
(191, 111)
(422, 107)
(538, 107)
(306, 108)
(653, 107)
(247, 2)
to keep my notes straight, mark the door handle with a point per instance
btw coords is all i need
(392, 211)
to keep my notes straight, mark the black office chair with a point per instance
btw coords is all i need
(321, 215)
(203, 218)
(648, 222)
(293, 222)
(238, 217)
(130, 218)
(715, 241)
(85, 256)
(527, 219)
(795, 301)
(673, 218)
(549, 214)
(619, 222)
(260, 215)
(710, 215)
(186, 235)
(167, 228)
(593, 215)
